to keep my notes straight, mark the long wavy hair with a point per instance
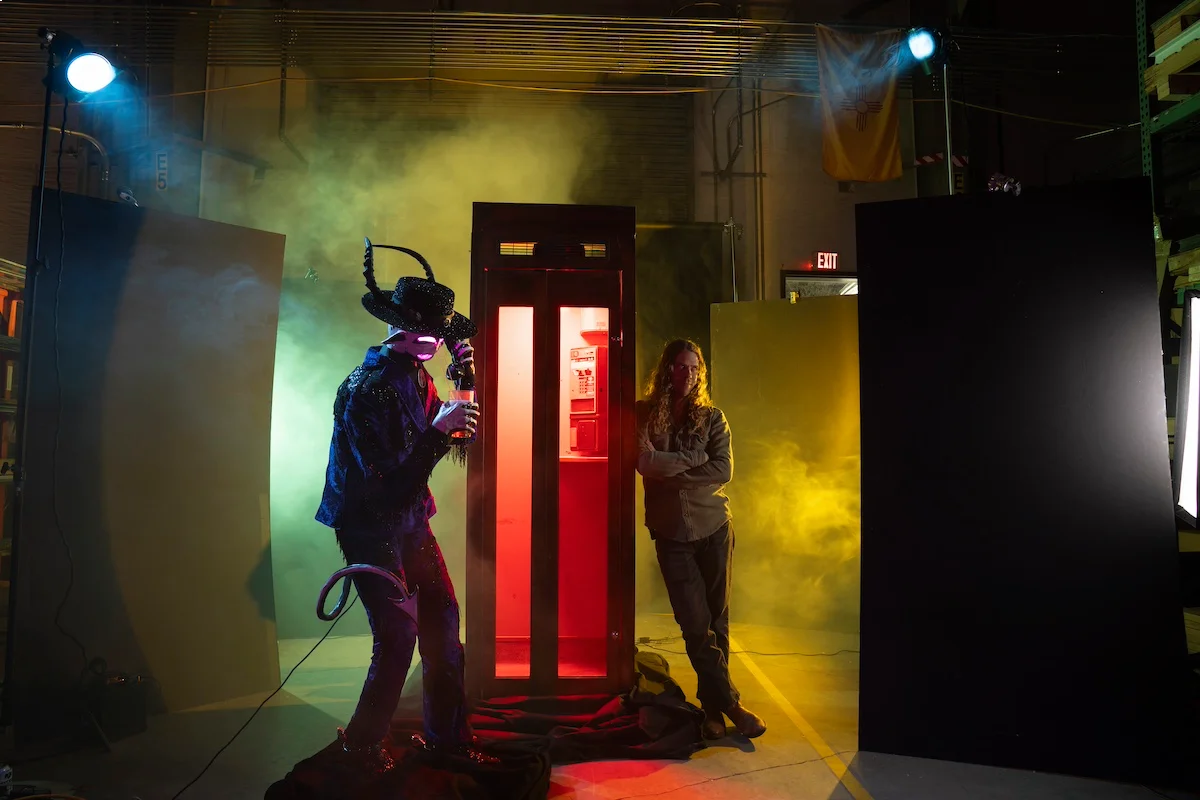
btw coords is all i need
(697, 404)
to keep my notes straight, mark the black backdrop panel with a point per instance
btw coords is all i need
(1020, 601)
(149, 431)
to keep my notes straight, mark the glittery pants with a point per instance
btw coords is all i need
(698, 577)
(416, 552)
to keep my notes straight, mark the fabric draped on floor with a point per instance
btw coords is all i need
(653, 720)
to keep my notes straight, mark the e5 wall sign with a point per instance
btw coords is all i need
(160, 170)
(825, 262)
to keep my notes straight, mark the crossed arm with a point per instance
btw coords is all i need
(714, 465)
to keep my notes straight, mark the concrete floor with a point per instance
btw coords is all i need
(810, 751)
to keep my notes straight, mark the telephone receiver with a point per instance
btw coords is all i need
(462, 374)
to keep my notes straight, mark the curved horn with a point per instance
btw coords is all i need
(369, 270)
(420, 258)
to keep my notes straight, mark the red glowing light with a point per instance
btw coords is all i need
(583, 479)
(514, 491)
(582, 499)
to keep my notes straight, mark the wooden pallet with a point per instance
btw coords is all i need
(1186, 269)
(1175, 76)
(1183, 263)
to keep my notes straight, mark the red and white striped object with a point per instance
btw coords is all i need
(938, 158)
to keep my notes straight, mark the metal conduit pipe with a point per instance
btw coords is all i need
(716, 162)
(105, 164)
(727, 173)
(283, 137)
(759, 197)
(733, 153)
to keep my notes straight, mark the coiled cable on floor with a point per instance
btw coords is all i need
(343, 575)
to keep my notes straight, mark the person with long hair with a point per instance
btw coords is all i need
(685, 457)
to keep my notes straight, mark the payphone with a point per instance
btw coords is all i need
(589, 399)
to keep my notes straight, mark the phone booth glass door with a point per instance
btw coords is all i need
(583, 478)
(514, 489)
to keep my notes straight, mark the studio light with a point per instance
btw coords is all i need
(73, 70)
(921, 44)
(925, 46)
(90, 72)
(1186, 466)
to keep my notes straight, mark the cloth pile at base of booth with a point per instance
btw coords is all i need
(529, 735)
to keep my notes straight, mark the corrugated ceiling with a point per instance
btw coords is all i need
(432, 41)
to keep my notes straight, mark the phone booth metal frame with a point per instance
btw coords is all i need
(550, 480)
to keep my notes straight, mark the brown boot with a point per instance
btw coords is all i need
(369, 761)
(747, 722)
(459, 752)
(713, 726)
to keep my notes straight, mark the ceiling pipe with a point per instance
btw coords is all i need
(105, 164)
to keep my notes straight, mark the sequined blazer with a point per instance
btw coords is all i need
(383, 447)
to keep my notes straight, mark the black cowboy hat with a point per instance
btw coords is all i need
(418, 305)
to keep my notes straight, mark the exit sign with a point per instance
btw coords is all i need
(826, 261)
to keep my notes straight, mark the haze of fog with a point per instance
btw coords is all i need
(799, 570)
(417, 194)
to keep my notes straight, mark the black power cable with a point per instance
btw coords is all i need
(246, 724)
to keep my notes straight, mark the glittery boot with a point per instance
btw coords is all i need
(467, 753)
(368, 761)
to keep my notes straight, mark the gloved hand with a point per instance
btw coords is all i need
(463, 353)
(457, 415)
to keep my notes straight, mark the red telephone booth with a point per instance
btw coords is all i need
(550, 547)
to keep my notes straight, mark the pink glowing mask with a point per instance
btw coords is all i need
(421, 347)
(432, 343)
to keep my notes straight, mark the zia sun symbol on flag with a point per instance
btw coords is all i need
(861, 106)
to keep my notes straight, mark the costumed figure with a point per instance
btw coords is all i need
(389, 431)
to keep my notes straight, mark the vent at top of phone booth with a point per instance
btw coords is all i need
(554, 249)
(517, 248)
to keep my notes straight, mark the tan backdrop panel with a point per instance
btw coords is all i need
(159, 414)
(787, 378)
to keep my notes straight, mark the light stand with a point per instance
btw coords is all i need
(946, 108)
(32, 271)
(61, 50)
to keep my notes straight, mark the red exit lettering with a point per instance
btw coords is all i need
(826, 260)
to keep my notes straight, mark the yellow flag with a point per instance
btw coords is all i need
(860, 114)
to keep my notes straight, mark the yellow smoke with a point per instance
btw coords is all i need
(797, 522)
(793, 413)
